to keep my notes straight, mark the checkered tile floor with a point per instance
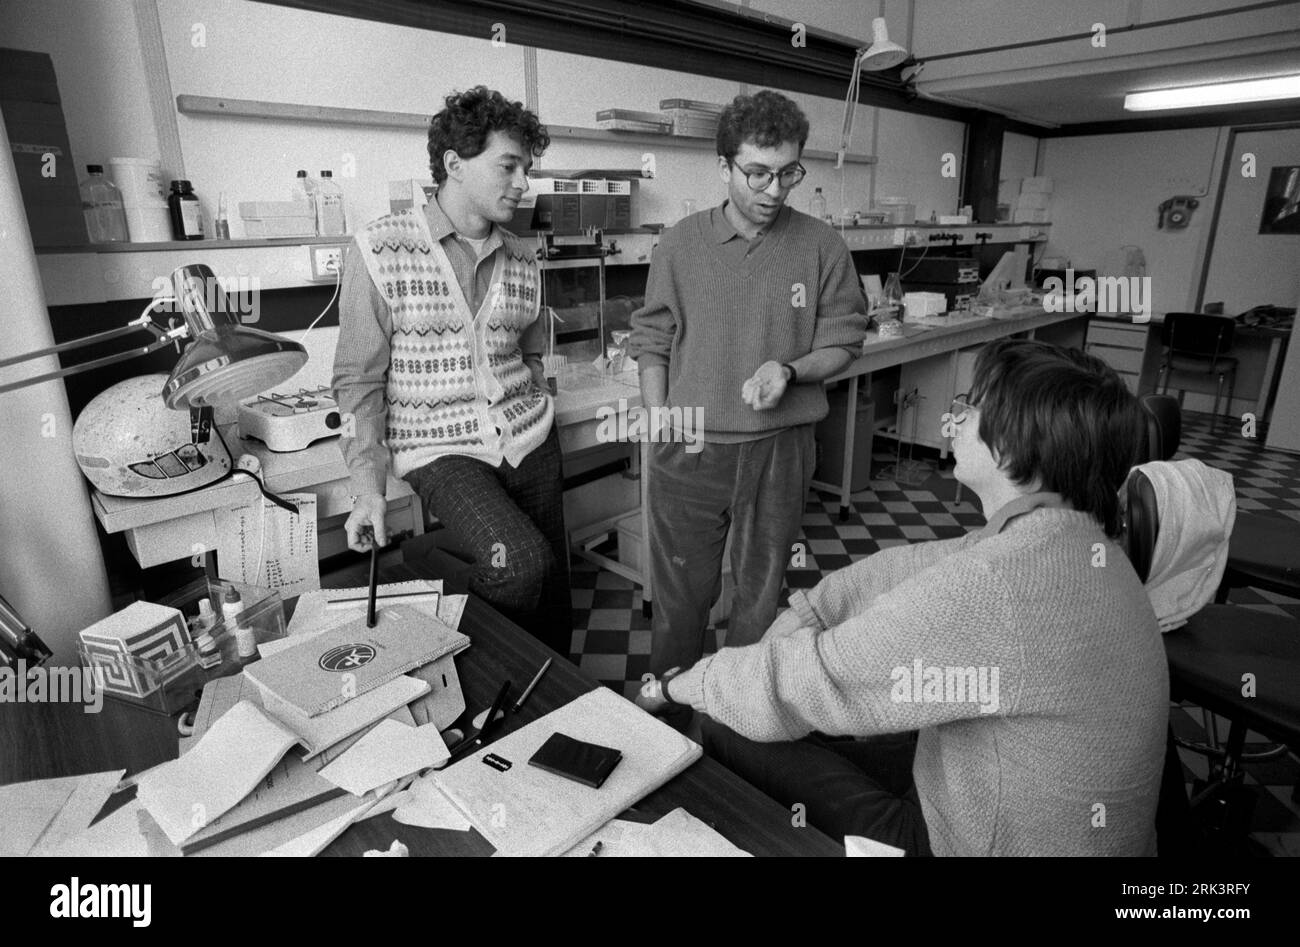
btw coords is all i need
(611, 640)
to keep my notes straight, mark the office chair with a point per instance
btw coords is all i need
(1197, 344)
(1209, 659)
(1264, 551)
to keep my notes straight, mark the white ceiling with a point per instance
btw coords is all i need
(1051, 80)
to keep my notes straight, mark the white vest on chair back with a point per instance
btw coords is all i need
(1197, 506)
(457, 382)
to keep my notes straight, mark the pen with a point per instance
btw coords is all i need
(529, 689)
(374, 583)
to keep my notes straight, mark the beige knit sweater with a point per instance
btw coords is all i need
(1035, 674)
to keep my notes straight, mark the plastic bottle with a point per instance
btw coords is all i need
(245, 638)
(893, 297)
(101, 202)
(221, 226)
(209, 653)
(304, 189)
(330, 219)
(817, 206)
(186, 212)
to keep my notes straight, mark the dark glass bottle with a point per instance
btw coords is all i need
(186, 213)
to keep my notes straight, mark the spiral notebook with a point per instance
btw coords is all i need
(523, 810)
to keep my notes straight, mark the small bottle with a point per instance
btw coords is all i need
(330, 220)
(186, 212)
(221, 225)
(209, 653)
(934, 217)
(304, 189)
(101, 202)
(817, 206)
(893, 297)
(245, 638)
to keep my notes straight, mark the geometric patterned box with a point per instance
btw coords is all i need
(139, 648)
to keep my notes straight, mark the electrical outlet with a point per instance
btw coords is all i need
(326, 261)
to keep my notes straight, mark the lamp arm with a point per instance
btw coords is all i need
(850, 109)
(166, 339)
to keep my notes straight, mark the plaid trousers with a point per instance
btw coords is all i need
(511, 519)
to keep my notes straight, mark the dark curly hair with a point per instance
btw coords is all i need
(767, 117)
(1062, 416)
(469, 117)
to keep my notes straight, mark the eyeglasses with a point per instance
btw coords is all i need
(960, 408)
(762, 180)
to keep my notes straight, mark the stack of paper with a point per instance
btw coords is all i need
(677, 835)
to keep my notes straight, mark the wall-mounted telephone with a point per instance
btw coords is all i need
(1176, 213)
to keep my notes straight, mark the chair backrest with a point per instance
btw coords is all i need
(1143, 523)
(1196, 333)
(1164, 426)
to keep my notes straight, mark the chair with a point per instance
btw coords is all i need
(1198, 344)
(1208, 660)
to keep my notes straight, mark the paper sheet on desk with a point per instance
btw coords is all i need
(386, 753)
(264, 545)
(40, 815)
(311, 616)
(677, 835)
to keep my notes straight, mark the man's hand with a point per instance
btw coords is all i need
(765, 387)
(368, 511)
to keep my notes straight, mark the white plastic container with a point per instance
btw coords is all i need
(140, 180)
(148, 223)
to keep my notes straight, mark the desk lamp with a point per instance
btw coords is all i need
(224, 362)
(882, 54)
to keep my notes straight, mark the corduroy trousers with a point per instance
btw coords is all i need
(755, 490)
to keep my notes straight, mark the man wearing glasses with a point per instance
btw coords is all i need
(749, 307)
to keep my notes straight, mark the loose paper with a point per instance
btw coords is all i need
(265, 545)
(388, 752)
(38, 816)
(677, 835)
(424, 805)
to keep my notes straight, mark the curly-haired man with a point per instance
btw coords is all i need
(439, 364)
(749, 307)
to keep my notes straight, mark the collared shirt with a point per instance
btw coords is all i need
(731, 244)
(363, 354)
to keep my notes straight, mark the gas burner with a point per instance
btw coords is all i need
(289, 421)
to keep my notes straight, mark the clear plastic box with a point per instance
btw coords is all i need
(170, 685)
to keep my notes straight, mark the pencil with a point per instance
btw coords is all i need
(529, 689)
(374, 584)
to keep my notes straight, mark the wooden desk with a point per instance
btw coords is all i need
(39, 741)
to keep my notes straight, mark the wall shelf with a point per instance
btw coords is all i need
(373, 118)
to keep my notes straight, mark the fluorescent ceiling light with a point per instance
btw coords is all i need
(1219, 93)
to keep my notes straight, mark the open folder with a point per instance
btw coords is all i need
(524, 810)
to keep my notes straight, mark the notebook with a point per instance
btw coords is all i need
(331, 668)
(523, 810)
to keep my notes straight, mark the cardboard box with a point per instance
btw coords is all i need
(138, 649)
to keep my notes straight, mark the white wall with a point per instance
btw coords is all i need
(100, 70)
(1248, 268)
(1107, 189)
(245, 50)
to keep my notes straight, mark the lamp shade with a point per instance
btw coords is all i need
(883, 53)
(225, 361)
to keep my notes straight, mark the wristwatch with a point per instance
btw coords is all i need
(663, 688)
(794, 375)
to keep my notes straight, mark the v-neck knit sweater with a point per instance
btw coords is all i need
(1063, 750)
(713, 322)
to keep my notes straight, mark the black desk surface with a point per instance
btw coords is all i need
(39, 741)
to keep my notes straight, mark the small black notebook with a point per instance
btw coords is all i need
(583, 762)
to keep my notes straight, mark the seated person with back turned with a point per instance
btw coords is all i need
(439, 363)
(1026, 653)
